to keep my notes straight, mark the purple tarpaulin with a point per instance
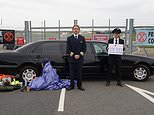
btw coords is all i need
(49, 80)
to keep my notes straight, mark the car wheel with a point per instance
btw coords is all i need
(28, 73)
(141, 73)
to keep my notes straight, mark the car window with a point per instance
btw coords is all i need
(16, 47)
(49, 47)
(100, 48)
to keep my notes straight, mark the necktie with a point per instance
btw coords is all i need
(76, 37)
(115, 41)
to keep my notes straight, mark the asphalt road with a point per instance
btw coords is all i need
(96, 100)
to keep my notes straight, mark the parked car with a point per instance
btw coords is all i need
(10, 46)
(16, 46)
(26, 61)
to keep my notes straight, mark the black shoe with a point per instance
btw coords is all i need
(81, 88)
(69, 88)
(119, 84)
(107, 83)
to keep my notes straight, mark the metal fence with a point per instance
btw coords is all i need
(45, 32)
(62, 32)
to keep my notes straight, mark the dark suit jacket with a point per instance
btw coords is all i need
(76, 46)
(111, 41)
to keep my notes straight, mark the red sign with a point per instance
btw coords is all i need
(101, 37)
(87, 38)
(52, 38)
(141, 37)
(20, 41)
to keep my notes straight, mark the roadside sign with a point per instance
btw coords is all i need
(20, 41)
(7, 36)
(144, 37)
(101, 37)
(51, 38)
(87, 39)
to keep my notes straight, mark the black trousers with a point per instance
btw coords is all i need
(76, 73)
(114, 61)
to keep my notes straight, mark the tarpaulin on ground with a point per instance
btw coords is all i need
(49, 80)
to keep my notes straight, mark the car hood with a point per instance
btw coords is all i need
(139, 56)
(139, 59)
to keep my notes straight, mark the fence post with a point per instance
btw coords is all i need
(44, 30)
(30, 33)
(75, 22)
(59, 29)
(131, 28)
(26, 32)
(92, 29)
(109, 29)
(126, 30)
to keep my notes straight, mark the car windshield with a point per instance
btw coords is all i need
(100, 48)
(15, 47)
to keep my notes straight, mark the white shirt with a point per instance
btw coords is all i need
(76, 35)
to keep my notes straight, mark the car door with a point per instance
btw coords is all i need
(101, 57)
(89, 60)
(52, 51)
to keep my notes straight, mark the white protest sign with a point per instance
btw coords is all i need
(116, 49)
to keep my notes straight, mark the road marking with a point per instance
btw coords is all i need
(142, 92)
(61, 100)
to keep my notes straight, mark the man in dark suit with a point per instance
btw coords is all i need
(114, 60)
(76, 48)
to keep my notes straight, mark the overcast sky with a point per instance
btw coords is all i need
(15, 12)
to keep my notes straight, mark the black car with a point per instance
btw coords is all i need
(10, 46)
(25, 61)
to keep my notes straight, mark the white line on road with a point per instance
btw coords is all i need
(61, 100)
(142, 92)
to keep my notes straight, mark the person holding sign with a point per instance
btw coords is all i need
(115, 50)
